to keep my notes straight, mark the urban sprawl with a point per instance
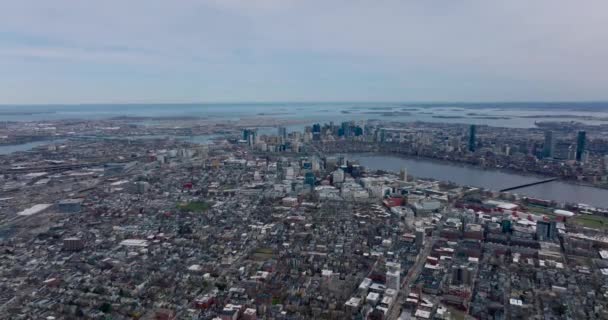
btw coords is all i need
(136, 219)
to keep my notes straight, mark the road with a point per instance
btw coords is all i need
(394, 312)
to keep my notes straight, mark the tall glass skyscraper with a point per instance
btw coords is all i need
(581, 140)
(549, 145)
(472, 131)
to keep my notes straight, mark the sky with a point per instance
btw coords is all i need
(153, 51)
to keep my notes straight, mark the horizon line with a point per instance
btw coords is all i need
(299, 102)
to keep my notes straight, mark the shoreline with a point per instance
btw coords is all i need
(472, 166)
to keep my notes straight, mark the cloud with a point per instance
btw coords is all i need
(554, 47)
(75, 54)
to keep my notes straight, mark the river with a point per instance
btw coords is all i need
(196, 139)
(8, 149)
(486, 178)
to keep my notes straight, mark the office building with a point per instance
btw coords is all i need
(70, 205)
(316, 132)
(251, 136)
(282, 134)
(561, 150)
(403, 174)
(580, 144)
(382, 134)
(419, 238)
(338, 176)
(393, 280)
(246, 133)
(309, 179)
(345, 129)
(546, 231)
(73, 244)
(472, 133)
(457, 275)
(549, 145)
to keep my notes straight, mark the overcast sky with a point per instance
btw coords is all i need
(64, 51)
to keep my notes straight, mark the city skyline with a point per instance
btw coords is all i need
(303, 159)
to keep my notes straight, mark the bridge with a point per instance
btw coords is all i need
(529, 184)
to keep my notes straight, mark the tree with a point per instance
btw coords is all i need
(560, 309)
(221, 286)
(105, 307)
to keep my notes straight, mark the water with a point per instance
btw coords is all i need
(197, 139)
(8, 149)
(489, 179)
(522, 115)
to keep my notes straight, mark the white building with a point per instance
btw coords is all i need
(403, 174)
(338, 176)
(393, 280)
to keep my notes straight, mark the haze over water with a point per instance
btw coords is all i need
(521, 115)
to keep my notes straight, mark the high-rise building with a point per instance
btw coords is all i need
(246, 133)
(382, 135)
(309, 179)
(316, 132)
(315, 164)
(468, 273)
(393, 280)
(358, 131)
(581, 140)
(457, 275)
(338, 176)
(549, 145)
(572, 152)
(585, 157)
(472, 132)
(546, 230)
(331, 163)
(346, 129)
(561, 150)
(403, 174)
(282, 133)
(251, 136)
(462, 275)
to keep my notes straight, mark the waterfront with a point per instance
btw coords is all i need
(484, 178)
(8, 149)
(196, 139)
